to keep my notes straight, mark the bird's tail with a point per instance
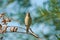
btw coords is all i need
(27, 28)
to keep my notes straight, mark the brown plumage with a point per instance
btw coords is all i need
(28, 21)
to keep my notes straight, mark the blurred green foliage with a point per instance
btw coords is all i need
(51, 13)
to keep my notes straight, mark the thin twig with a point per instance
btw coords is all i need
(16, 26)
(16, 32)
(32, 33)
(24, 33)
(31, 30)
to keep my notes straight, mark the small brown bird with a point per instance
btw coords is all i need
(28, 22)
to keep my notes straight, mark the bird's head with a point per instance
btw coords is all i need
(28, 14)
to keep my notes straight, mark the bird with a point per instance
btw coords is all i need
(28, 21)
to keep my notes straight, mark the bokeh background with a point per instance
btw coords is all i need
(45, 18)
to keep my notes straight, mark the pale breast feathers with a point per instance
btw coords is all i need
(28, 21)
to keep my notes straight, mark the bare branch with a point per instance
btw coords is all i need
(17, 26)
(32, 33)
(16, 32)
